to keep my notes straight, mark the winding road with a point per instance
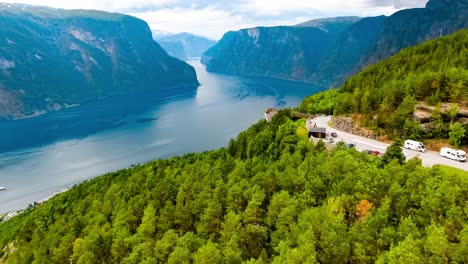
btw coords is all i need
(428, 158)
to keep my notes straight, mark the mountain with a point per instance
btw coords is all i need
(271, 197)
(417, 93)
(53, 58)
(183, 45)
(410, 27)
(349, 50)
(356, 44)
(287, 52)
(330, 24)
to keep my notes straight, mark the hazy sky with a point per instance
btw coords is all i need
(213, 18)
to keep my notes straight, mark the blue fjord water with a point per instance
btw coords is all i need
(46, 154)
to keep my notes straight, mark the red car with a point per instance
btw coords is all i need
(372, 152)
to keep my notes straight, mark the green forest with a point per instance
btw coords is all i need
(270, 197)
(385, 94)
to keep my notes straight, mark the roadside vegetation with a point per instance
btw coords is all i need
(419, 93)
(270, 197)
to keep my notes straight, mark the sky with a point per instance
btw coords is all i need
(213, 18)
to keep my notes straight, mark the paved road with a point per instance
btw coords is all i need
(428, 158)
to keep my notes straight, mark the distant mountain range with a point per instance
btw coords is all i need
(183, 45)
(52, 58)
(327, 51)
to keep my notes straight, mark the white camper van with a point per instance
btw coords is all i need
(414, 145)
(453, 154)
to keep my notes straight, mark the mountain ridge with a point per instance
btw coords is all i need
(286, 52)
(54, 58)
(362, 43)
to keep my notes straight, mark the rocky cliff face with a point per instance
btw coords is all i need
(51, 58)
(281, 52)
(350, 49)
(410, 27)
(348, 125)
(340, 48)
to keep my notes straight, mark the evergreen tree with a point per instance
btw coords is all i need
(394, 152)
(456, 134)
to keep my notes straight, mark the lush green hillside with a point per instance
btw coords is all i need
(270, 197)
(433, 72)
(51, 59)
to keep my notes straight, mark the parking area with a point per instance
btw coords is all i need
(428, 158)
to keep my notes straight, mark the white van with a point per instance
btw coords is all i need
(414, 145)
(453, 154)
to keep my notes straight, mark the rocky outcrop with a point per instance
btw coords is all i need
(444, 109)
(348, 125)
(423, 114)
(52, 58)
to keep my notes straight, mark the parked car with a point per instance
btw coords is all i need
(351, 145)
(414, 145)
(372, 152)
(458, 155)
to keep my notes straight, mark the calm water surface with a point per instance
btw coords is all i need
(46, 154)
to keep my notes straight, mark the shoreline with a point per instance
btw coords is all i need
(169, 91)
(8, 215)
(136, 143)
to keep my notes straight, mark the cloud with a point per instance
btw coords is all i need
(328, 8)
(213, 18)
(276, 7)
(108, 5)
(398, 4)
(208, 21)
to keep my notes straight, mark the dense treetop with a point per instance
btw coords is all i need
(272, 196)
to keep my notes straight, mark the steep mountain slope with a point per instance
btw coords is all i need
(350, 49)
(183, 45)
(410, 27)
(52, 58)
(281, 52)
(358, 45)
(387, 93)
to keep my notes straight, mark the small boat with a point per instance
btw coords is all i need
(2, 188)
